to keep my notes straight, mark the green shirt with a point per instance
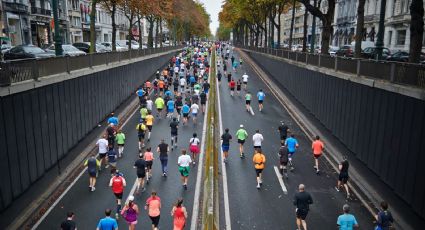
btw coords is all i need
(241, 134)
(143, 112)
(159, 103)
(120, 138)
(248, 97)
(197, 87)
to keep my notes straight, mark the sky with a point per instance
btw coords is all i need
(213, 8)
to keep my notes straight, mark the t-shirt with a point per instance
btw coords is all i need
(149, 104)
(141, 128)
(112, 156)
(257, 139)
(148, 156)
(345, 166)
(194, 108)
(120, 138)
(174, 127)
(260, 96)
(241, 134)
(117, 183)
(185, 108)
(184, 160)
(113, 120)
(140, 165)
(170, 104)
(140, 92)
(292, 144)
(103, 145)
(302, 200)
(68, 225)
(154, 206)
(182, 81)
(149, 119)
(194, 141)
(259, 160)
(317, 147)
(143, 112)
(203, 97)
(159, 103)
(346, 221)
(248, 97)
(92, 164)
(107, 223)
(226, 137)
(245, 78)
(283, 130)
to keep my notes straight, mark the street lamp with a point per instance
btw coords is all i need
(57, 38)
(380, 39)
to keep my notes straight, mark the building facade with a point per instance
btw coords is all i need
(345, 22)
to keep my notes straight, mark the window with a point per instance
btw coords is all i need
(394, 6)
(401, 37)
(390, 36)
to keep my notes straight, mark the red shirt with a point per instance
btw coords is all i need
(232, 84)
(117, 183)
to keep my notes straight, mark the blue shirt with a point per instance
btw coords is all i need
(168, 93)
(170, 105)
(113, 120)
(140, 92)
(192, 79)
(185, 108)
(112, 155)
(260, 96)
(346, 221)
(107, 223)
(291, 143)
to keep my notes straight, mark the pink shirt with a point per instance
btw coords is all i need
(154, 206)
(148, 156)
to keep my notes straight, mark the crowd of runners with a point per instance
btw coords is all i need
(178, 94)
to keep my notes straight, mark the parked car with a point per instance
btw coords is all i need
(85, 46)
(5, 47)
(345, 51)
(25, 52)
(118, 48)
(372, 52)
(124, 43)
(364, 44)
(403, 56)
(68, 50)
(332, 50)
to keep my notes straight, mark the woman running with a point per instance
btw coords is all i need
(153, 204)
(130, 212)
(179, 214)
(148, 157)
(194, 147)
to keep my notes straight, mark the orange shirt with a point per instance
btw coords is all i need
(161, 84)
(149, 119)
(317, 147)
(148, 156)
(148, 84)
(154, 204)
(259, 161)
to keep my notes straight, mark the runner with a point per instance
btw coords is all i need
(283, 160)
(219, 76)
(143, 113)
(343, 176)
(163, 150)
(140, 93)
(245, 80)
(206, 86)
(69, 223)
(259, 160)
(229, 77)
(93, 165)
(194, 146)
(102, 145)
(302, 201)
(292, 144)
(153, 204)
(317, 147)
(184, 167)
(179, 104)
(107, 223)
(130, 212)
(232, 85)
(161, 86)
(238, 87)
(148, 157)
(346, 221)
(283, 132)
(174, 125)
(117, 183)
(141, 130)
(203, 97)
(182, 84)
(170, 108)
(113, 119)
(248, 101)
(176, 84)
(179, 215)
(384, 219)
(240, 61)
(155, 86)
(185, 111)
(257, 139)
(148, 87)
(159, 104)
(110, 131)
(241, 134)
(112, 159)
(149, 123)
(194, 109)
(140, 166)
(260, 97)
(120, 139)
(225, 145)
(149, 104)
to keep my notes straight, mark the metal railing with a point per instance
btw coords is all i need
(396, 72)
(32, 69)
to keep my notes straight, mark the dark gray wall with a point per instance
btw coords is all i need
(40, 126)
(384, 130)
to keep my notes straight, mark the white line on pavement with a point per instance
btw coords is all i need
(251, 110)
(279, 178)
(223, 167)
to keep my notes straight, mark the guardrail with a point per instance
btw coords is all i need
(32, 69)
(396, 72)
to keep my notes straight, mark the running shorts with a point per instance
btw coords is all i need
(102, 155)
(257, 146)
(232, 88)
(245, 82)
(203, 102)
(260, 101)
(170, 110)
(161, 89)
(258, 171)
(184, 170)
(194, 114)
(185, 114)
(141, 175)
(301, 213)
(283, 161)
(343, 177)
(241, 141)
(141, 136)
(283, 137)
(120, 145)
(178, 110)
(290, 154)
(118, 195)
(93, 173)
(225, 148)
(248, 102)
(316, 156)
(155, 220)
(173, 134)
(194, 149)
(149, 127)
(159, 109)
(149, 164)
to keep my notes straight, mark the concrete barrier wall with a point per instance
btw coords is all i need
(385, 130)
(39, 126)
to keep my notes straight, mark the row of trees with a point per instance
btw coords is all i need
(184, 19)
(255, 21)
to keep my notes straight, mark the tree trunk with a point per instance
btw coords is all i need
(160, 32)
(279, 29)
(156, 32)
(359, 28)
(292, 25)
(305, 31)
(271, 25)
(265, 32)
(114, 26)
(326, 35)
(416, 30)
(139, 24)
(151, 20)
(92, 27)
(246, 31)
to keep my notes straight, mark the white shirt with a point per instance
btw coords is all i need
(257, 139)
(194, 108)
(182, 81)
(184, 160)
(245, 78)
(176, 69)
(194, 141)
(182, 66)
(149, 104)
(103, 145)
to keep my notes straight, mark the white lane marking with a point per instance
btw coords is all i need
(251, 110)
(279, 178)
(71, 185)
(223, 168)
(195, 210)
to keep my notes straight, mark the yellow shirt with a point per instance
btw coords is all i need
(149, 120)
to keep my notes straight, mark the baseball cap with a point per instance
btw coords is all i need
(131, 198)
(241, 126)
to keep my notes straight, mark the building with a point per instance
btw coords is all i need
(75, 14)
(345, 21)
(41, 15)
(16, 21)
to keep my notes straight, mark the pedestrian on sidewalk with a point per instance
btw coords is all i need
(117, 183)
(102, 145)
(260, 96)
(179, 215)
(241, 134)
(257, 139)
(141, 130)
(153, 205)
(163, 150)
(69, 223)
(140, 166)
(283, 160)
(302, 202)
(130, 212)
(194, 146)
(93, 165)
(225, 145)
(259, 160)
(317, 147)
(346, 221)
(343, 176)
(292, 144)
(148, 157)
(120, 139)
(183, 162)
(107, 223)
(384, 219)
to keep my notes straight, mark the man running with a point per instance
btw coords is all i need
(232, 85)
(241, 134)
(203, 97)
(283, 160)
(143, 113)
(102, 145)
(140, 93)
(194, 109)
(174, 125)
(113, 119)
(112, 159)
(159, 104)
(245, 80)
(259, 160)
(225, 145)
(163, 150)
(140, 166)
(149, 123)
(248, 98)
(257, 139)
(292, 144)
(317, 147)
(120, 139)
(343, 176)
(185, 111)
(260, 97)
(170, 108)
(93, 165)
(238, 87)
(117, 183)
(283, 132)
(107, 223)
(302, 201)
(141, 130)
(184, 167)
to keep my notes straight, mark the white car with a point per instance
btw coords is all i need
(118, 47)
(332, 50)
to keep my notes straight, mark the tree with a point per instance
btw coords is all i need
(111, 7)
(291, 32)
(416, 30)
(359, 28)
(129, 8)
(92, 26)
(305, 31)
